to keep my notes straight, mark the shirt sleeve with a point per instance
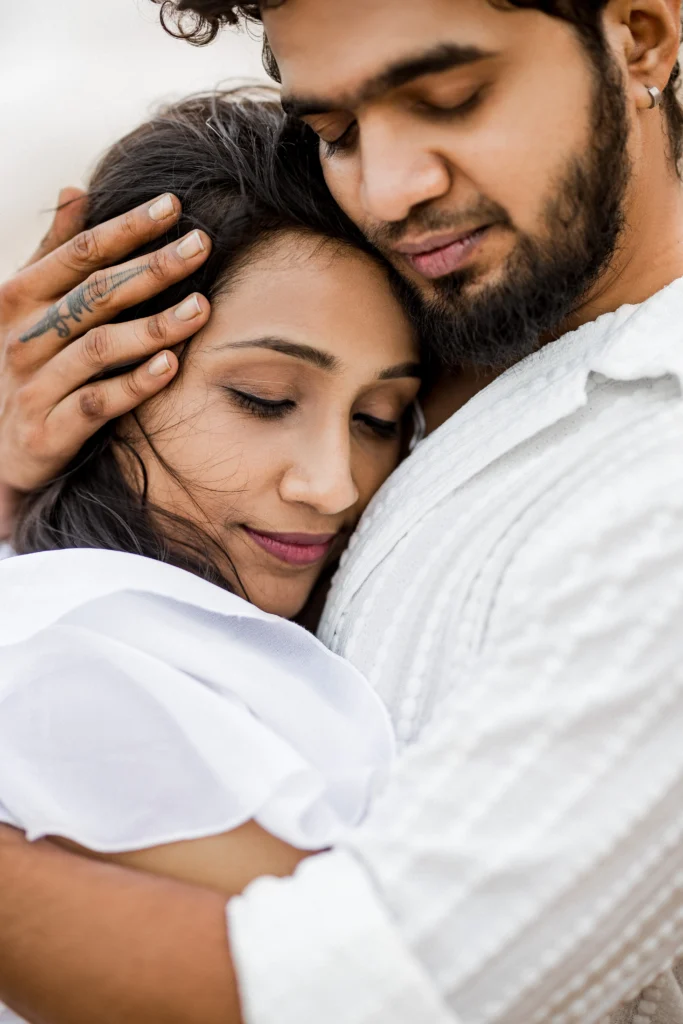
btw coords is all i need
(525, 865)
(135, 720)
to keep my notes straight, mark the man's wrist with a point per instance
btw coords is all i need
(324, 939)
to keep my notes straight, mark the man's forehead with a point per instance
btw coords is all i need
(333, 49)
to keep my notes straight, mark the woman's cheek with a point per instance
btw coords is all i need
(371, 473)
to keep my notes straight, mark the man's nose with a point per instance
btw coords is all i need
(321, 475)
(397, 171)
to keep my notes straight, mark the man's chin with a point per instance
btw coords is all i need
(465, 290)
(459, 289)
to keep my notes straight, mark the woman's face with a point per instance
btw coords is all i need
(286, 417)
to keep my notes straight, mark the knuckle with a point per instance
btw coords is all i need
(15, 353)
(28, 427)
(25, 398)
(31, 442)
(84, 248)
(11, 294)
(92, 403)
(157, 328)
(130, 226)
(97, 289)
(157, 266)
(132, 386)
(97, 347)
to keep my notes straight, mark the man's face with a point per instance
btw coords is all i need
(460, 136)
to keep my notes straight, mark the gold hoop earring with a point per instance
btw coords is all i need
(655, 96)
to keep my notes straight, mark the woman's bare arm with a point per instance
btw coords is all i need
(226, 863)
(82, 941)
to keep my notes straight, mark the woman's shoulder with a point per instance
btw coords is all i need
(42, 589)
(171, 616)
(124, 660)
(39, 588)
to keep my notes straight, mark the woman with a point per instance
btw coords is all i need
(155, 706)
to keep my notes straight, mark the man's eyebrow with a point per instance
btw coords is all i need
(315, 356)
(402, 370)
(443, 57)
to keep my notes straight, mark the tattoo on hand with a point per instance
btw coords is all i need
(62, 315)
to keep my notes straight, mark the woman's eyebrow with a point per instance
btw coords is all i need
(401, 370)
(315, 356)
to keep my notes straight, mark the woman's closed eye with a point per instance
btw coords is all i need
(387, 430)
(379, 427)
(266, 408)
(343, 142)
(335, 132)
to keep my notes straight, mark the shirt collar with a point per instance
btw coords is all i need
(633, 343)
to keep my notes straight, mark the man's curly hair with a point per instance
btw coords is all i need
(200, 21)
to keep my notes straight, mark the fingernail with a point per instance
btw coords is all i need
(159, 365)
(188, 309)
(190, 246)
(162, 208)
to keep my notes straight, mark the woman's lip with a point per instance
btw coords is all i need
(445, 258)
(294, 548)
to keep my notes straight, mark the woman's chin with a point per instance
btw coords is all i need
(280, 597)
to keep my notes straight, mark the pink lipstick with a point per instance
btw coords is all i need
(293, 548)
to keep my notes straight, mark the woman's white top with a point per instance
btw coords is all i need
(141, 705)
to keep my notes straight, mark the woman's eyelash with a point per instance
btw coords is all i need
(343, 142)
(266, 408)
(386, 429)
(271, 409)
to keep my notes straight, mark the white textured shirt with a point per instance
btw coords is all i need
(515, 594)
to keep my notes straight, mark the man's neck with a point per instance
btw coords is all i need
(450, 393)
(650, 254)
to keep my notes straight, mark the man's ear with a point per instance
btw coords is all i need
(648, 34)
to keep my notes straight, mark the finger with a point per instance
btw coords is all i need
(68, 220)
(83, 412)
(118, 345)
(101, 246)
(107, 293)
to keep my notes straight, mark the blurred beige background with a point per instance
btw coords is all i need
(74, 76)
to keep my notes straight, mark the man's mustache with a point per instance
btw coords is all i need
(429, 220)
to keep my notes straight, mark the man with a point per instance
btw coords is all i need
(516, 594)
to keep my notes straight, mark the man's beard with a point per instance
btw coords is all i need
(545, 279)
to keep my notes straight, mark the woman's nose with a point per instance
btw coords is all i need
(321, 475)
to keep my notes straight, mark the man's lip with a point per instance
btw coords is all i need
(441, 254)
(428, 243)
(294, 548)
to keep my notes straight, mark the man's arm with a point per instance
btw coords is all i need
(56, 335)
(84, 941)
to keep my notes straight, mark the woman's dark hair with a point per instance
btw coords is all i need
(199, 21)
(242, 173)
